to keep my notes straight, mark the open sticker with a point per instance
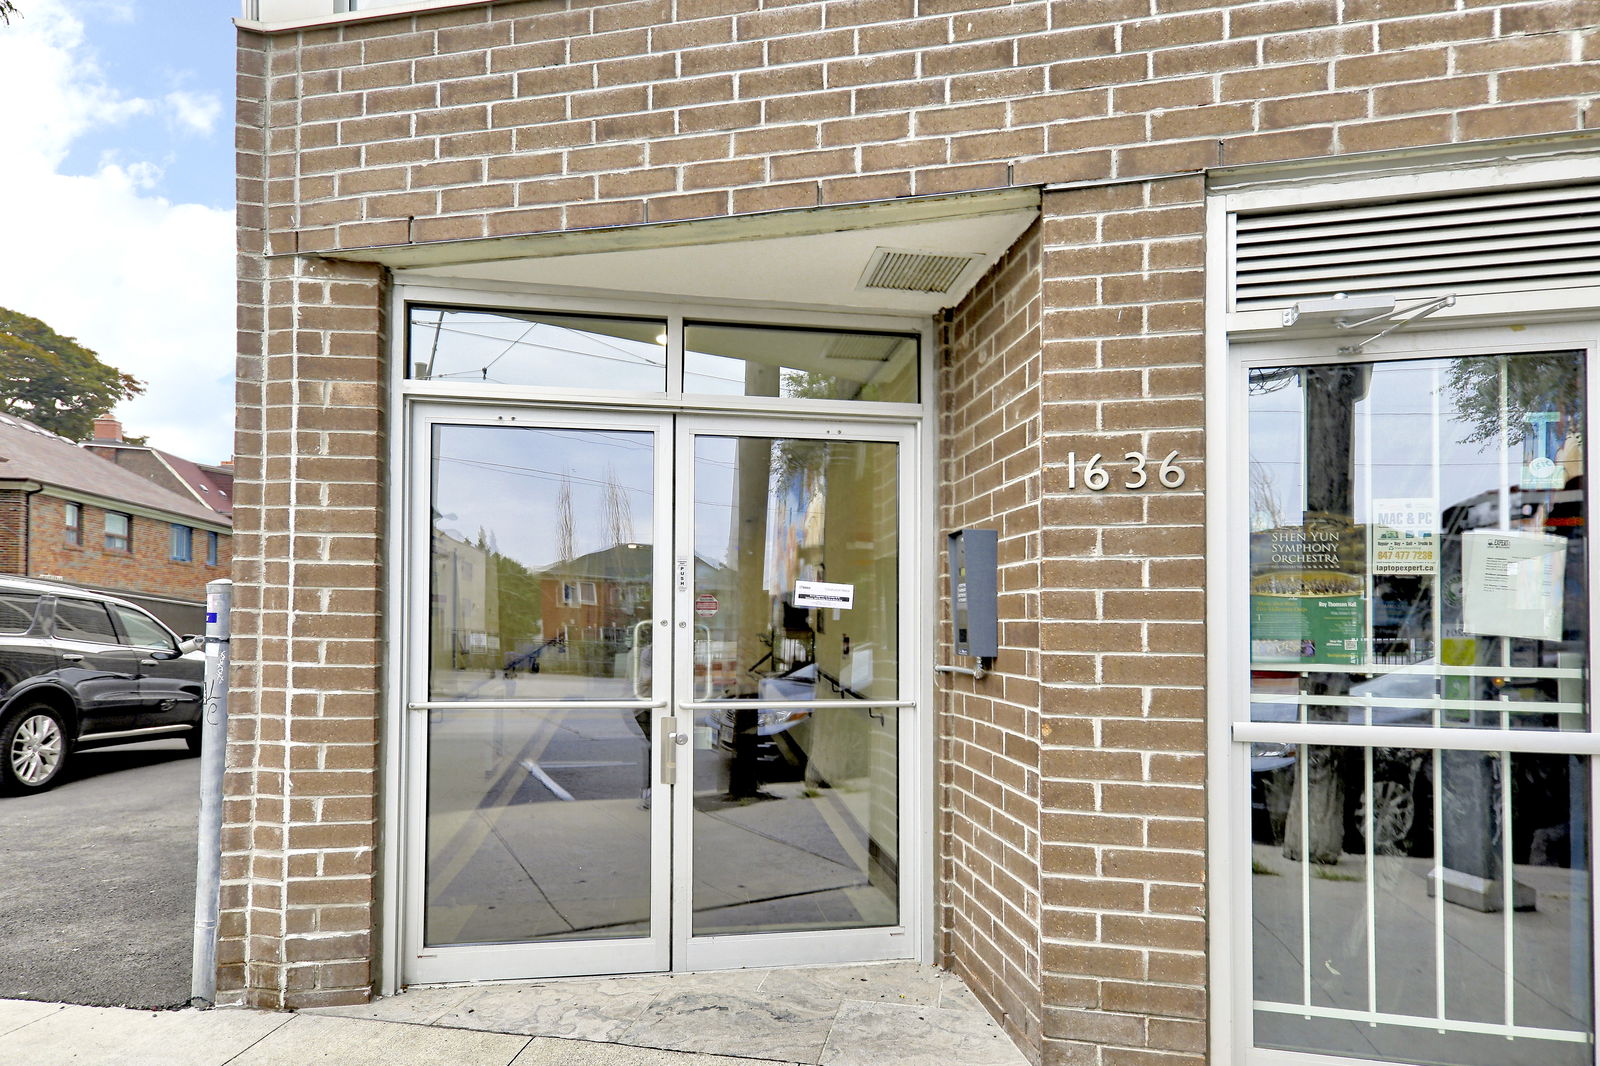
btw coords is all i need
(824, 594)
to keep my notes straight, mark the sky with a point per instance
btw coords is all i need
(117, 194)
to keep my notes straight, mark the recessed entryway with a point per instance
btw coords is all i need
(659, 662)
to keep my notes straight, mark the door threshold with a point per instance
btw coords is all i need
(880, 1012)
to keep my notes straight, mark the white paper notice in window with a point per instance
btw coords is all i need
(824, 594)
(1511, 583)
(1404, 537)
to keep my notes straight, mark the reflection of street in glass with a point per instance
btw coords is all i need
(536, 832)
(1356, 953)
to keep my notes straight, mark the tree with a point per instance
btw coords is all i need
(7, 9)
(53, 381)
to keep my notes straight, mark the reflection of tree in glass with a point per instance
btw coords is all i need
(1538, 381)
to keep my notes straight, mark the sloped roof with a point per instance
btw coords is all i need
(214, 487)
(31, 453)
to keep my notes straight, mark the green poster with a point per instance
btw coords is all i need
(1306, 629)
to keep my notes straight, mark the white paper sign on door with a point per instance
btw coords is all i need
(1512, 583)
(824, 594)
(1403, 537)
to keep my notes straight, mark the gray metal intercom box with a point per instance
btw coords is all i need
(974, 592)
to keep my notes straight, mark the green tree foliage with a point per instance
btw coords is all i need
(53, 381)
(1489, 390)
(7, 9)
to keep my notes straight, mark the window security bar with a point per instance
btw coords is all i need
(1333, 735)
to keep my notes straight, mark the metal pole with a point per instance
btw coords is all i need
(213, 742)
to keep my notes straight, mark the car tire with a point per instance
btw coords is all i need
(33, 749)
(194, 738)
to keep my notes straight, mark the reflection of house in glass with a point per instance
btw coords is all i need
(464, 604)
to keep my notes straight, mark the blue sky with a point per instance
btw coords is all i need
(179, 52)
(118, 231)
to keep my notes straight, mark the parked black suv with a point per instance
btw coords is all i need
(79, 669)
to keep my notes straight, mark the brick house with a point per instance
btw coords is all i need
(1260, 332)
(73, 516)
(210, 484)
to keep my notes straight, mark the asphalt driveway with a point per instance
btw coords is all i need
(97, 881)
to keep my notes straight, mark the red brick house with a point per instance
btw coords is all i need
(210, 484)
(71, 515)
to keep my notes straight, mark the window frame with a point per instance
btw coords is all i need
(1232, 733)
(182, 543)
(213, 539)
(105, 608)
(169, 640)
(72, 522)
(126, 537)
(436, 292)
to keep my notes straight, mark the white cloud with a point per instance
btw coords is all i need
(146, 283)
(195, 112)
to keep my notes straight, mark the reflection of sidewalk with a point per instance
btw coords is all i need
(886, 1014)
(1402, 930)
(562, 868)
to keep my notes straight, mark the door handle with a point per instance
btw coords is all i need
(72, 658)
(640, 631)
(705, 692)
(147, 662)
(671, 741)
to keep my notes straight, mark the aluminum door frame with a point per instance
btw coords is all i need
(901, 941)
(419, 963)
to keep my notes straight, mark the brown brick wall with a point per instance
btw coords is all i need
(522, 117)
(537, 116)
(13, 531)
(990, 471)
(1122, 635)
(300, 827)
(147, 568)
(299, 891)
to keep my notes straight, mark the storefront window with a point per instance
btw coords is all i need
(1417, 559)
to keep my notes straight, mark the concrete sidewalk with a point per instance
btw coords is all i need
(881, 1014)
(55, 1034)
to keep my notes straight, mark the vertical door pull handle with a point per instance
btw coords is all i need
(669, 757)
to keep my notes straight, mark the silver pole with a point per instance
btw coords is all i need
(213, 742)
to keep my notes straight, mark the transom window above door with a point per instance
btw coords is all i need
(467, 347)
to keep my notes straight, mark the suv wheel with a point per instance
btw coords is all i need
(33, 749)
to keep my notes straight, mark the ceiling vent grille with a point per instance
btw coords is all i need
(904, 271)
(1488, 242)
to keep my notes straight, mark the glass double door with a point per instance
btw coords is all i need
(655, 704)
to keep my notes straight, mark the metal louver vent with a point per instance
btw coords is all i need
(905, 271)
(1486, 242)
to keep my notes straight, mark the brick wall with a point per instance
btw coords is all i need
(13, 531)
(147, 568)
(542, 116)
(1122, 633)
(521, 117)
(990, 470)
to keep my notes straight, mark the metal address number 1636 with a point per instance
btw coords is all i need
(1096, 478)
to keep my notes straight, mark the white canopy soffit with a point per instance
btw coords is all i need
(909, 256)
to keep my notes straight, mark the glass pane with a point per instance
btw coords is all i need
(1418, 542)
(809, 364)
(796, 579)
(83, 620)
(533, 348)
(796, 599)
(1357, 952)
(16, 612)
(796, 820)
(541, 563)
(141, 629)
(536, 828)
